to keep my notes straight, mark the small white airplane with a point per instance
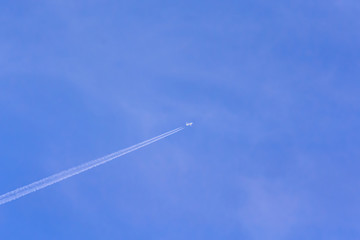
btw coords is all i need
(189, 124)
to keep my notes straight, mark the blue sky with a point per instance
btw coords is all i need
(272, 88)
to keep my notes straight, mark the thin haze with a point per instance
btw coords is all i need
(22, 191)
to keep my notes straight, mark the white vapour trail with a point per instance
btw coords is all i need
(22, 191)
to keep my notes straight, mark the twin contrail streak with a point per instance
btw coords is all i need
(22, 191)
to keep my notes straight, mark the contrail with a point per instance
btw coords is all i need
(22, 191)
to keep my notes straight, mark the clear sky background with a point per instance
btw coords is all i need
(272, 87)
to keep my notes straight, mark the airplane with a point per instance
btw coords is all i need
(189, 124)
